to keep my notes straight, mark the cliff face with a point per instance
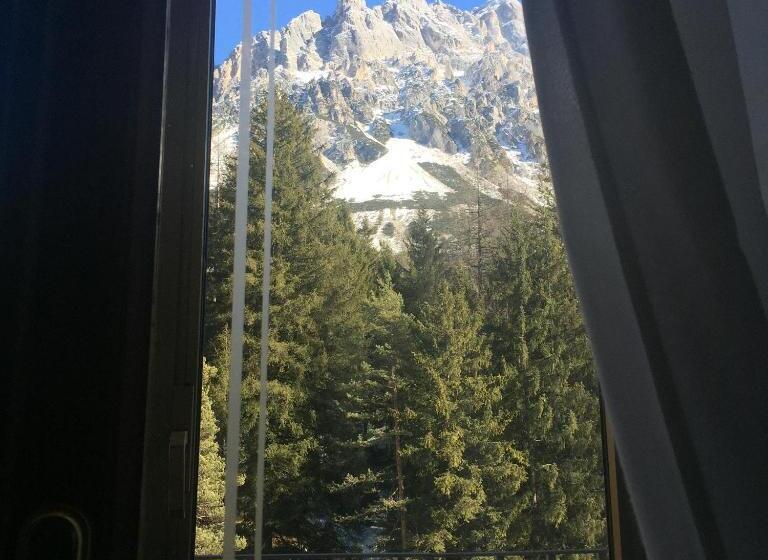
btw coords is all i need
(408, 85)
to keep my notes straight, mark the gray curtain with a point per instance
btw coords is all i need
(656, 119)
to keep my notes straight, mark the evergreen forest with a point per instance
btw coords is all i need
(442, 398)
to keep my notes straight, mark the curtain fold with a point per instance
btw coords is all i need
(652, 146)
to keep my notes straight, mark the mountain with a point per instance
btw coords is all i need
(418, 105)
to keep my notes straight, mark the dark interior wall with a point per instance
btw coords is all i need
(81, 94)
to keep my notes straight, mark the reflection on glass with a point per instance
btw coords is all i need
(431, 385)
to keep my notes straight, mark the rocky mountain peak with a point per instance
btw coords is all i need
(415, 103)
(344, 7)
(305, 24)
(418, 5)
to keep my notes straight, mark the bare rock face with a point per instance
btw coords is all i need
(401, 83)
(353, 31)
(325, 98)
(431, 130)
(509, 18)
(366, 148)
(297, 43)
(380, 130)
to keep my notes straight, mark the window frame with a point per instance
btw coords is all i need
(168, 500)
(171, 441)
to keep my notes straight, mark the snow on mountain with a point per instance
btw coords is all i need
(396, 175)
(414, 102)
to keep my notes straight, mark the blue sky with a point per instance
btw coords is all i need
(229, 14)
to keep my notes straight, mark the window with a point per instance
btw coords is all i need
(431, 388)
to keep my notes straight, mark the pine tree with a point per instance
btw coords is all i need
(321, 278)
(478, 234)
(454, 372)
(454, 451)
(374, 397)
(427, 261)
(550, 384)
(209, 531)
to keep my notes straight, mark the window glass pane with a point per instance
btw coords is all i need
(431, 384)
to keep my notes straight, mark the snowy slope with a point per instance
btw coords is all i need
(396, 175)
